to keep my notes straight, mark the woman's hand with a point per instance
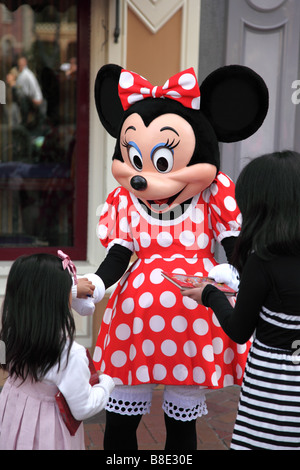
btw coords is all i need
(194, 293)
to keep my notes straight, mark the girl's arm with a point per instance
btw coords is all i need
(238, 322)
(73, 382)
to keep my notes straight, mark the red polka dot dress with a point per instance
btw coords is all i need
(150, 333)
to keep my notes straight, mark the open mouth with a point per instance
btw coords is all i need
(165, 202)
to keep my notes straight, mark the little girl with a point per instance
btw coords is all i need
(42, 357)
(267, 257)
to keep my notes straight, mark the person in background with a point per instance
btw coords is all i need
(27, 81)
(27, 94)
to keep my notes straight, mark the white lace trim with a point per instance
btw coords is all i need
(185, 414)
(128, 408)
(183, 403)
(130, 400)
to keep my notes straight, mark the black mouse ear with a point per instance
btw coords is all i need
(107, 99)
(235, 100)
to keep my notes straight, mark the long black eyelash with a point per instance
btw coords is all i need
(124, 143)
(168, 144)
(171, 145)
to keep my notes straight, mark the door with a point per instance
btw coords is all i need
(265, 35)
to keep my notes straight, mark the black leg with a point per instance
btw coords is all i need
(181, 435)
(120, 431)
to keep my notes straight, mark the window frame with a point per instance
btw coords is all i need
(78, 250)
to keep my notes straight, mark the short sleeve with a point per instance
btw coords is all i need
(114, 227)
(225, 215)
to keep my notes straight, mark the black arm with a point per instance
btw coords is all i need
(114, 265)
(228, 245)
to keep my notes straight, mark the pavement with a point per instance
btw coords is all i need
(214, 430)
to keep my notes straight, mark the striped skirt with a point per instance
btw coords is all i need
(269, 408)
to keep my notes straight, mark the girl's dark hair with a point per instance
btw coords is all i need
(37, 320)
(268, 195)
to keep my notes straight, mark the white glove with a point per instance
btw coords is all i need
(86, 306)
(227, 274)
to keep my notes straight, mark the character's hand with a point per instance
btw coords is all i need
(86, 306)
(227, 274)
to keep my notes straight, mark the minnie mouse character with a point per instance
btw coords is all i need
(172, 204)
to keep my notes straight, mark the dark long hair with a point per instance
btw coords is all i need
(36, 319)
(268, 195)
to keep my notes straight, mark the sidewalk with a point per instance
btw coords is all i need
(214, 430)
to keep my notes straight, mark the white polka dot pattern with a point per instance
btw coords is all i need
(150, 333)
(182, 87)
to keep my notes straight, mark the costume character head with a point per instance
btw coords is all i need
(167, 137)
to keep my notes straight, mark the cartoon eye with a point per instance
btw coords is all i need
(163, 159)
(135, 157)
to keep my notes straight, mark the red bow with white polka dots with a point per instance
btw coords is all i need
(182, 87)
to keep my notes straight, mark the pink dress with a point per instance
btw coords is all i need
(29, 415)
(150, 333)
(30, 419)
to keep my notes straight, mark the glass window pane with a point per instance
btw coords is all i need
(38, 122)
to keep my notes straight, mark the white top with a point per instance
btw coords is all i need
(29, 84)
(72, 379)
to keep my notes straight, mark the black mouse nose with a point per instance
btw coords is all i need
(139, 183)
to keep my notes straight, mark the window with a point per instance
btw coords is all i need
(44, 62)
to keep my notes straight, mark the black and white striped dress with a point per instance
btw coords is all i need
(268, 414)
(269, 407)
